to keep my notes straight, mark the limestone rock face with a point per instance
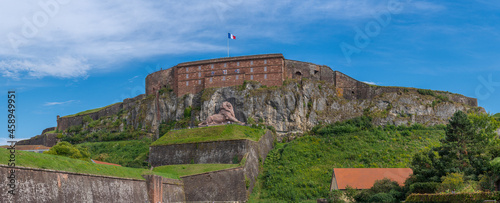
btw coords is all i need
(295, 107)
(298, 106)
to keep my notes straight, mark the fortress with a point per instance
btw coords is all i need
(268, 69)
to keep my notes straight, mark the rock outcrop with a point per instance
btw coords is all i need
(294, 107)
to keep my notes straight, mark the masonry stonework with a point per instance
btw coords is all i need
(42, 185)
(268, 69)
(192, 77)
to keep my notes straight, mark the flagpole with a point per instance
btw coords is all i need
(228, 47)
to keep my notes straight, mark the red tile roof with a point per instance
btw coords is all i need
(104, 163)
(364, 178)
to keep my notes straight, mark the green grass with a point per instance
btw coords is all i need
(211, 133)
(90, 111)
(302, 169)
(53, 131)
(191, 169)
(47, 161)
(497, 115)
(130, 153)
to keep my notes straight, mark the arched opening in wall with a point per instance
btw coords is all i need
(297, 75)
(316, 72)
(352, 92)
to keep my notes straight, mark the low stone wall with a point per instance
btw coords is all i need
(221, 152)
(223, 185)
(351, 88)
(64, 123)
(42, 185)
(48, 140)
(234, 184)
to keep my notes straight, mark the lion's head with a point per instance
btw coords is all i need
(228, 107)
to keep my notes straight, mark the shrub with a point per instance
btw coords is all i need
(384, 190)
(460, 197)
(425, 187)
(187, 112)
(68, 150)
(382, 197)
(87, 119)
(335, 196)
(426, 92)
(452, 182)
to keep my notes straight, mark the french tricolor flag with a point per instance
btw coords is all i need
(231, 36)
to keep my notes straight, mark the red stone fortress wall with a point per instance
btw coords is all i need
(192, 77)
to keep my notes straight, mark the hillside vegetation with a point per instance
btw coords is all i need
(61, 163)
(91, 110)
(130, 153)
(211, 133)
(302, 168)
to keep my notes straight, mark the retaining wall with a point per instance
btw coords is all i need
(48, 140)
(42, 185)
(234, 184)
(221, 152)
(64, 123)
(351, 88)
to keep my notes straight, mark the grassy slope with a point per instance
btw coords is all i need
(90, 111)
(302, 169)
(47, 161)
(212, 133)
(497, 115)
(190, 169)
(53, 162)
(131, 153)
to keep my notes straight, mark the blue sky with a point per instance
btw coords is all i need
(64, 56)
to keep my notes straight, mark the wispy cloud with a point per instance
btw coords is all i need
(370, 83)
(70, 40)
(58, 103)
(133, 78)
(3, 141)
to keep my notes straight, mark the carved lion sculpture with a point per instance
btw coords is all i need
(226, 114)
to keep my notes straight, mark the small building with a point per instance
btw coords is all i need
(29, 148)
(364, 178)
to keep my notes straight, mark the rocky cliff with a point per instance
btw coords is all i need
(294, 107)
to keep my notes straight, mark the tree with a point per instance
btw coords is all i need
(68, 150)
(469, 145)
(384, 190)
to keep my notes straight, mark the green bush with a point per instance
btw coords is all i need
(345, 127)
(426, 92)
(68, 150)
(335, 196)
(452, 182)
(187, 112)
(87, 119)
(382, 197)
(459, 197)
(384, 190)
(424, 187)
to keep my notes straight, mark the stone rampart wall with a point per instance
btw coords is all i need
(42, 185)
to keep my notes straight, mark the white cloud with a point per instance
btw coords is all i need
(70, 40)
(370, 83)
(3, 141)
(57, 103)
(63, 67)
